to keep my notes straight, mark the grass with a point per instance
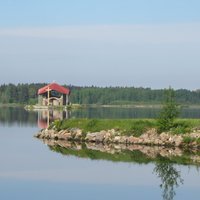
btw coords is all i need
(125, 126)
(188, 140)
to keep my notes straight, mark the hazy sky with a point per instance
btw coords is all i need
(147, 43)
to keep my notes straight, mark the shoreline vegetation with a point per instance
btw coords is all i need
(80, 106)
(167, 130)
(184, 134)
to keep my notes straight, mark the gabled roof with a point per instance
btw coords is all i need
(54, 86)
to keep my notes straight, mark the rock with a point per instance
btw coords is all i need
(123, 139)
(61, 132)
(112, 133)
(178, 141)
(107, 137)
(66, 135)
(133, 140)
(117, 139)
(91, 137)
(100, 136)
(78, 135)
(164, 137)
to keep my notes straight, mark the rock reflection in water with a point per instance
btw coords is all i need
(148, 153)
(164, 159)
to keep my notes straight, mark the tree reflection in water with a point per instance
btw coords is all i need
(170, 178)
(164, 167)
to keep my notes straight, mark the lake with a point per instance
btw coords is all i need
(33, 169)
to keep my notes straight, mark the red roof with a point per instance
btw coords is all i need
(54, 86)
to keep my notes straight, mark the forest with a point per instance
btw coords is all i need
(27, 94)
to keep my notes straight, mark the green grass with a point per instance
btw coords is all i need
(125, 126)
(188, 140)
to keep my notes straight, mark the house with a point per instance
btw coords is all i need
(53, 95)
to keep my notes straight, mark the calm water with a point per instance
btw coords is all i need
(30, 170)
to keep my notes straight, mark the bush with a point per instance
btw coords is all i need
(57, 124)
(169, 112)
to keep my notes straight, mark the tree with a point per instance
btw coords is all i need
(169, 112)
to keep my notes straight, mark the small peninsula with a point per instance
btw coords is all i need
(126, 131)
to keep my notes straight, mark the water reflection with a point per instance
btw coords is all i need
(163, 158)
(106, 112)
(17, 115)
(170, 179)
(20, 116)
(45, 117)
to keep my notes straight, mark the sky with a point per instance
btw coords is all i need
(145, 43)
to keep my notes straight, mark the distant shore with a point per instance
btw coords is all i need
(80, 106)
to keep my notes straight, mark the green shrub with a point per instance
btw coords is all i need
(169, 112)
(57, 124)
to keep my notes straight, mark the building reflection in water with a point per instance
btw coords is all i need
(45, 117)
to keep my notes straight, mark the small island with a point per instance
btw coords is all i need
(186, 134)
(167, 130)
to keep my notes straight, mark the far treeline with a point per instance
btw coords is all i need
(27, 94)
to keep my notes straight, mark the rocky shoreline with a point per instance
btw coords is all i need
(150, 137)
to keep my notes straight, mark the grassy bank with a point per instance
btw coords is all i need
(125, 126)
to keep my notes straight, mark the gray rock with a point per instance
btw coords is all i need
(117, 139)
(91, 137)
(100, 136)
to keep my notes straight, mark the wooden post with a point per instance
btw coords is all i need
(48, 118)
(48, 90)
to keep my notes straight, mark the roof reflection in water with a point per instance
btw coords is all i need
(45, 117)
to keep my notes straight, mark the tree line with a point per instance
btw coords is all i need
(27, 94)
(129, 95)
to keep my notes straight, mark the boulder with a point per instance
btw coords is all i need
(123, 139)
(91, 137)
(78, 135)
(164, 137)
(66, 135)
(100, 136)
(132, 140)
(107, 137)
(178, 141)
(117, 139)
